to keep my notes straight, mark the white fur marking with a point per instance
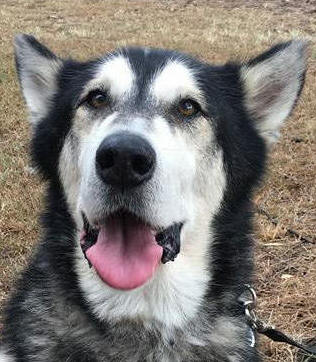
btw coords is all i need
(69, 174)
(4, 357)
(116, 75)
(173, 81)
(172, 297)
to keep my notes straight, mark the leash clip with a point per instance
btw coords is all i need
(249, 303)
(251, 316)
(257, 325)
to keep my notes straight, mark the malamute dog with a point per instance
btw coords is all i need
(151, 158)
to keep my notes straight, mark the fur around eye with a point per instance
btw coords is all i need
(97, 99)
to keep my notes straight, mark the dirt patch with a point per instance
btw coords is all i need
(276, 6)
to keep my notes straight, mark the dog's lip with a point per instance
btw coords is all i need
(96, 224)
(166, 237)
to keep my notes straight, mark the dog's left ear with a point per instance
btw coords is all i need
(272, 83)
(37, 69)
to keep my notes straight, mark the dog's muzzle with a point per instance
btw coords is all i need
(125, 249)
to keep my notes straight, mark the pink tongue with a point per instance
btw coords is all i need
(126, 253)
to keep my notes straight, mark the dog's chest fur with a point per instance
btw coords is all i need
(59, 329)
(82, 339)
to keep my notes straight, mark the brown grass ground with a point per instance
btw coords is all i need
(214, 31)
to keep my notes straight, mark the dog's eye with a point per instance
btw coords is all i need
(188, 107)
(97, 99)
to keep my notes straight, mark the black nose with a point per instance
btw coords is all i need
(125, 160)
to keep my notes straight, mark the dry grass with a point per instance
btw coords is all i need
(215, 31)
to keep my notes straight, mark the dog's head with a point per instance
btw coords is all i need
(149, 144)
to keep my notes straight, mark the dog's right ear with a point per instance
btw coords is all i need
(37, 68)
(272, 84)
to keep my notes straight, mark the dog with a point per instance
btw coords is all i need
(151, 158)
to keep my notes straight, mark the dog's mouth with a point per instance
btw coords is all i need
(126, 251)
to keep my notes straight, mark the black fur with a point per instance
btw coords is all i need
(50, 133)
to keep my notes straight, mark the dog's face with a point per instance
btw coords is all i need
(149, 144)
(141, 157)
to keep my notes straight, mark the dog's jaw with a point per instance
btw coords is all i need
(170, 299)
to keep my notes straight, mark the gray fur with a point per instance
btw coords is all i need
(58, 330)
